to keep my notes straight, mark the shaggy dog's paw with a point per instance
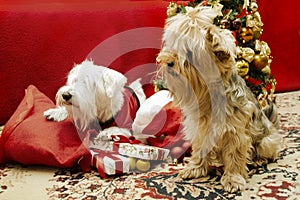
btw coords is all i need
(260, 162)
(193, 171)
(56, 114)
(233, 182)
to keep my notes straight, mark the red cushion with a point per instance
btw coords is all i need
(28, 138)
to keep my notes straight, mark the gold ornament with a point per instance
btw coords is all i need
(254, 20)
(225, 24)
(236, 24)
(174, 162)
(217, 6)
(246, 53)
(262, 98)
(256, 15)
(172, 9)
(262, 47)
(260, 61)
(272, 90)
(266, 70)
(246, 34)
(246, 3)
(242, 67)
(132, 163)
(143, 165)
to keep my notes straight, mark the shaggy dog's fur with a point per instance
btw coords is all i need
(222, 118)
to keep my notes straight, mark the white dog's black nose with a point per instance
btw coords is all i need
(66, 96)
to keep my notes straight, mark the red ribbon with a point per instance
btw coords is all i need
(253, 80)
(98, 162)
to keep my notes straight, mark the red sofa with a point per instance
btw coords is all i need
(40, 42)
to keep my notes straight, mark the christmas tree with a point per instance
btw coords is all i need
(253, 55)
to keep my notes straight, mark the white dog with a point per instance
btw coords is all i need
(96, 96)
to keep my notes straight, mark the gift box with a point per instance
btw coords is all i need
(140, 151)
(108, 163)
(114, 155)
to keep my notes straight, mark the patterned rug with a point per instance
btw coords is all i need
(279, 180)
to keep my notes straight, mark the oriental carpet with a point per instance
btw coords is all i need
(278, 180)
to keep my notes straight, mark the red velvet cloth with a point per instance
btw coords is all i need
(281, 31)
(171, 134)
(41, 41)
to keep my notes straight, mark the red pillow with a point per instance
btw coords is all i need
(29, 138)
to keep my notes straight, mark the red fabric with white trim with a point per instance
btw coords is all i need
(159, 121)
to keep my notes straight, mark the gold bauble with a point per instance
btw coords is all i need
(225, 24)
(242, 67)
(266, 70)
(257, 33)
(132, 163)
(246, 53)
(236, 24)
(172, 9)
(260, 61)
(246, 34)
(143, 165)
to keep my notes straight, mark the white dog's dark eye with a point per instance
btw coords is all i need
(170, 64)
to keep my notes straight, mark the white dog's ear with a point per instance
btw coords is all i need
(113, 82)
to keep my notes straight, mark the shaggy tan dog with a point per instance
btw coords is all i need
(223, 120)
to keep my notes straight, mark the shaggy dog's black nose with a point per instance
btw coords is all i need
(66, 96)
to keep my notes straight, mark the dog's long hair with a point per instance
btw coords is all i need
(94, 95)
(222, 116)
